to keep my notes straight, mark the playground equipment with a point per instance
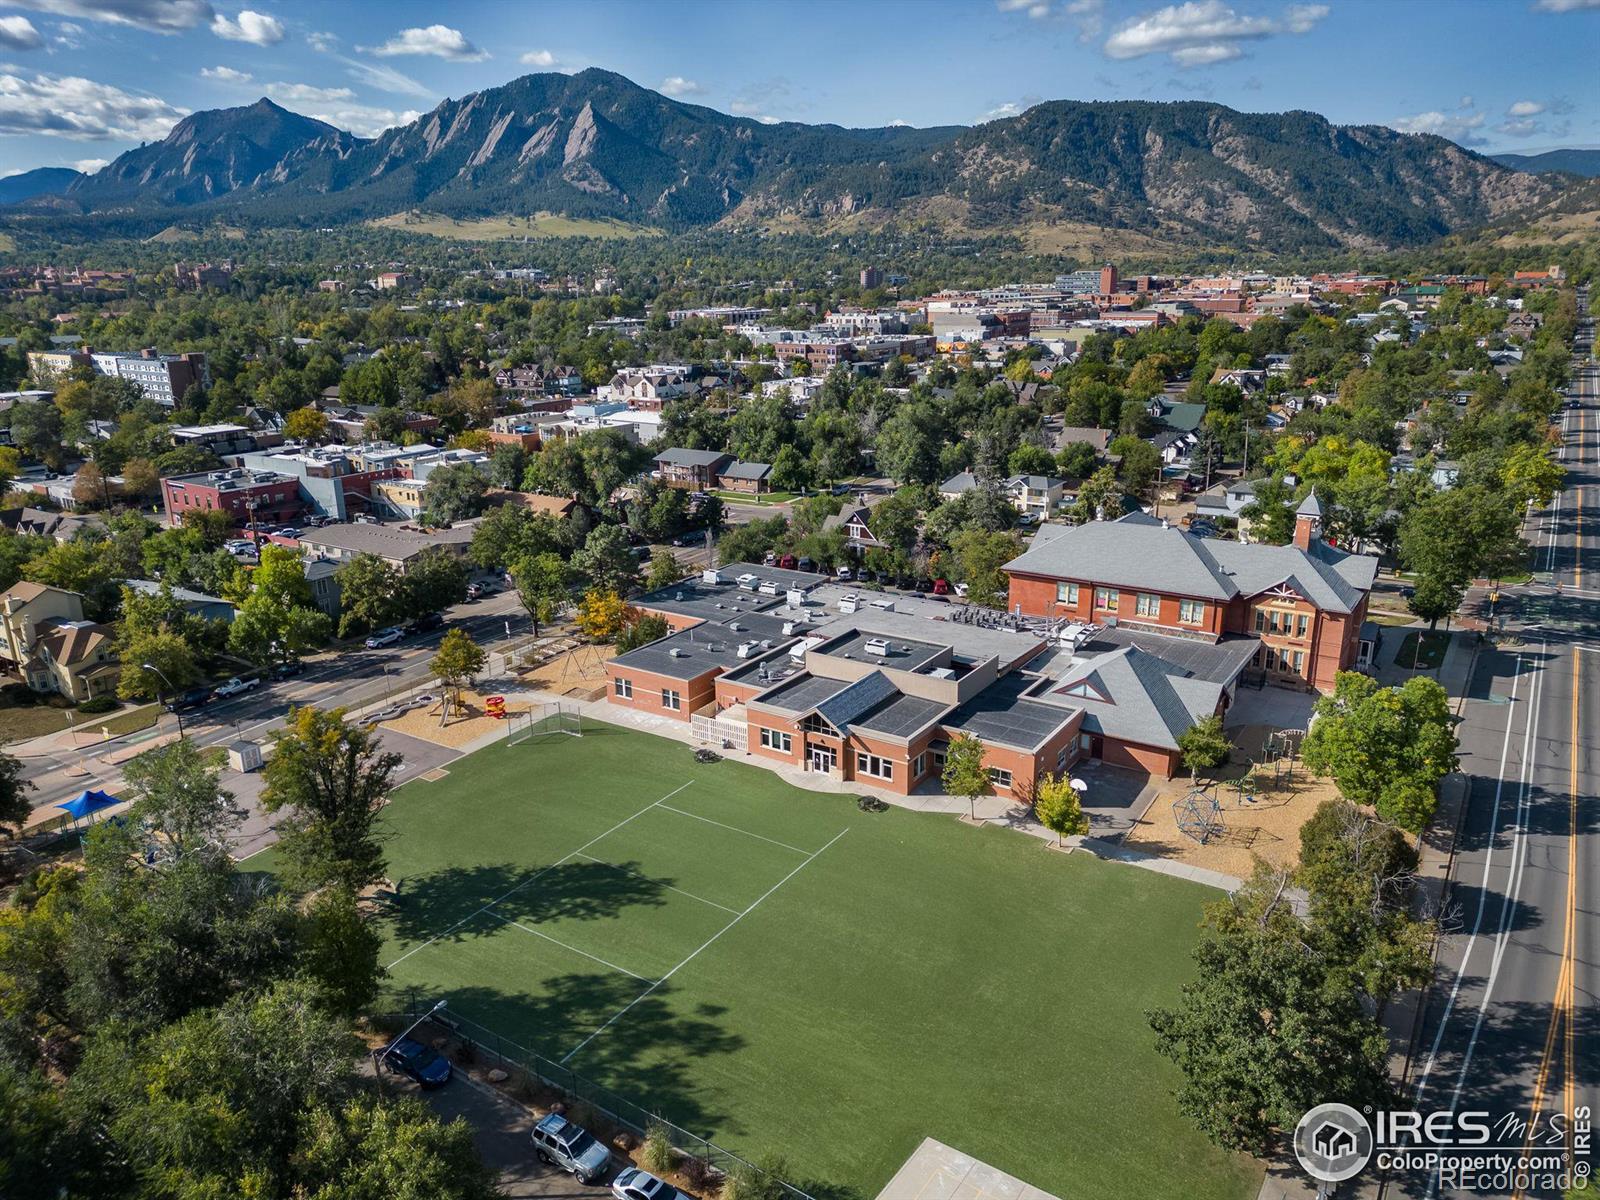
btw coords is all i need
(1198, 813)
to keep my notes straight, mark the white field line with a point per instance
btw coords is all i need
(615, 1017)
(657, 882)
(736, 829)
(535, 876)
(557, 941)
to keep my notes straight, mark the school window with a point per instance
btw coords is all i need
(1301, 624)
(871, 764)
(774, 739)
(1261, 620)
(671, 699)
(1299, 662)
(1191, 612)
(919, 764)
(1148, 605)
(1066, 593)
(1106, 598)
(624, 688)
(1000, 777)
(1061, 760)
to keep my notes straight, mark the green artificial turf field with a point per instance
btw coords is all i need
(779, 971)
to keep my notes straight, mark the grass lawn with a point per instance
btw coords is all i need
(747, 498)
(1422, 649)
(478, 229)
(1383, 616)
(23, 721)
(788, 974)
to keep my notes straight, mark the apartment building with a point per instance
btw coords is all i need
(47, 644)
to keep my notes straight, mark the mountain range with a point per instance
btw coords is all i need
(594, 144)
(1574, 162)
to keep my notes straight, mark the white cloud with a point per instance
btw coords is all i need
(225, 75)
(1466, 102)
(256, 28)
(899, 123)
(385, 79)
(538, 58)
(1206, 54)
(360, 119)
(1037, 9)
(305, 93)
(18, 33)
(1000, 112)
(440, 41)
(156, 16)
(1561, 6)
(1518, 129)
(69, 106)
(1458, 127)
(321, 42)
(89, 165)
(1525, 108)
(1202, 32)
(677, 85)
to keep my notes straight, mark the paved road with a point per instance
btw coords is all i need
(1511, 1022)
(350, 678)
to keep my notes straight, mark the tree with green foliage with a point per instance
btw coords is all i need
(455, 493)
(82, 567)
(456, 664)
(980, 559)
(1205, 745)
(508, 532)
(665, 570)
(340, 951)
(790, 471)
(607, 561)
(964, 771)
(544, 583)
(178, 797)
(1388, 748)
(164, 649)
(751, 542)
(1271, 513)
(277, 621)
(369, 594)
(646, 628)
(1058, 809)
(14, 788)
(1263, 1032)
(330, 778)
(1075, 460)
(1458, 535)
(1100, 497)
(434, 580)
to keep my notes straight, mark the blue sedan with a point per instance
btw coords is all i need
(422, 1063)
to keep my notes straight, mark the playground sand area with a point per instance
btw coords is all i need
(466, 723)
(566, 667)
(1265, 827)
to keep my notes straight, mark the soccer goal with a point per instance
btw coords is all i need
(545, 721)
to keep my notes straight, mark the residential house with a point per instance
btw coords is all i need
(46, 642)
(753, 478)
(1040, 495)
(198, 604)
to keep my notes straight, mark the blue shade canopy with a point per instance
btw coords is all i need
(88, 802)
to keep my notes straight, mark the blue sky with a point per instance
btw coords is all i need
(83, 80)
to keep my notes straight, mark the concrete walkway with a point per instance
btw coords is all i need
(936, 1171)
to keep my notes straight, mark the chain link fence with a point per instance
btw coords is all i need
(487, 1046)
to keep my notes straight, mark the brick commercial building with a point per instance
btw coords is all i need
(802, 673)
(1304, 603)
(260, 497)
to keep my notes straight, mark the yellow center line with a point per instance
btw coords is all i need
(1562, 1013)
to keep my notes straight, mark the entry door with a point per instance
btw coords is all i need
(823, 759)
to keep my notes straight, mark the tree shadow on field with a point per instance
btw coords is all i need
(645, 1059)
(426, 906)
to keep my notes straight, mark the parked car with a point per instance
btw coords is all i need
(961, 590)
(941, 587)
(477, 591)
(634, 1184)
(845, 574)
(288, 670)
(686, 539)
(235, 687)
(426, 623)
(239, 546)
(924, 585)
(789, 562)
(571, 1147)
(422, 1063)
(288, 531)
(905, 583)
(384, 637)
(804, 564)
(194, 697)
(769, 559)
(1028, 518)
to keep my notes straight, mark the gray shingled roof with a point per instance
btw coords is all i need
(866, 693)
(1147, 701)
(747, 470)
(678, 456)
(963, 482)
(1138, 551)
(1002, 715)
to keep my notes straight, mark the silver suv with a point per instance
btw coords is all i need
(572, 1148)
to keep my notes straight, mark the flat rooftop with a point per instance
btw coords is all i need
(803, 692)
(691, 653)
(902, 654)
(900, 717)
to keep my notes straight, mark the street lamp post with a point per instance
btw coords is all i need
(377, 1055)
(170, 688)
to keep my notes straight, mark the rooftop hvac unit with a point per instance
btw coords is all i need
(678, 596)
(733, 625)
(878, 646)
(884, 604)
(849, 603)
(768, 588)
(941, 673)
(711, 575)
(746, 649)
(675, 651)
(748, 582)
(796, 597)
(788, 628)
